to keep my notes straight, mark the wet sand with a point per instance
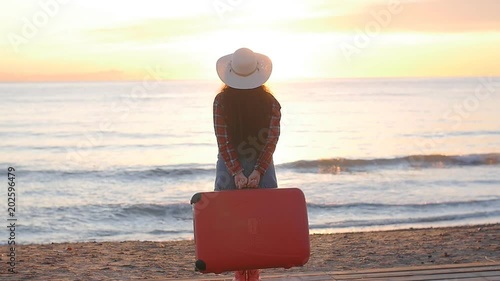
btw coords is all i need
(131, 260)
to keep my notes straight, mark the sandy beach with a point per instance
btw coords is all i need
(131, 260)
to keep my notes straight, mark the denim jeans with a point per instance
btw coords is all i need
(224, 180)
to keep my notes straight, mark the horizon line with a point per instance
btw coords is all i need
(269, 82)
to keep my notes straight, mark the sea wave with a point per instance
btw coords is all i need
(178, 211)
(430, 206)
(332, 165)
(174, 220)
(183, 211)
(413, 161)
(125, 173)
(406, 220)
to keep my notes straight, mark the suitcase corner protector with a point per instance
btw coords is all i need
(200, 265)
(196, 198)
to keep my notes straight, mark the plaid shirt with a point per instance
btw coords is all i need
(227, 149)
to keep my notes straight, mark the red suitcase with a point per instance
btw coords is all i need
(250, 229)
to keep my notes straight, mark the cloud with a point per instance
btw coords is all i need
(154, 30)
(434, 16)
(415, 16)
(108, 75)
(449, 16)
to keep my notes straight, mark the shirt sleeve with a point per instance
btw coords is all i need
(226, 148)
(266, 155)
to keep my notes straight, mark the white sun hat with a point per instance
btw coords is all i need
(244, 69)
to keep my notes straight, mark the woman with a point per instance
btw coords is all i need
(247, 127)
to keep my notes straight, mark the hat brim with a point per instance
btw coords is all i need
(254, 80)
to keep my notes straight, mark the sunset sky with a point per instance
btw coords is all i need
(77, 40)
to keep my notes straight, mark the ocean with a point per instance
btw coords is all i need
(114, 161)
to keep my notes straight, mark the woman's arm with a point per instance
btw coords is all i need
(226, 148)
(266, 155)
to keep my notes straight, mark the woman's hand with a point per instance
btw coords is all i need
(254, 179)
(240, 180)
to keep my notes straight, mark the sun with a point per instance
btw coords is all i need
(292, 55)
(288, 64)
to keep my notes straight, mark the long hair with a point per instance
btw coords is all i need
(247, 114)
